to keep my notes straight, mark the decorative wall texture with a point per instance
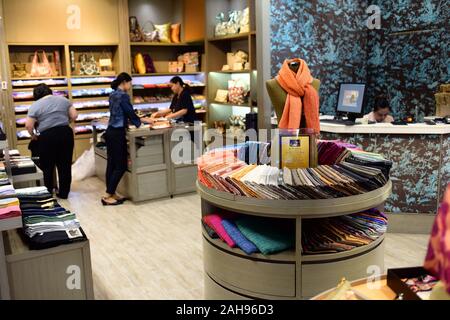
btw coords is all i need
(406, 59)
(327, 35)
(409, 56)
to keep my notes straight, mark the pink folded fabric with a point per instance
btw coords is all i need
(214, 221)
(10, 212)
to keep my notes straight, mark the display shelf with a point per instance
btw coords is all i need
(22, 89)
(320, 208)
(238, 36)
(345, 254)
(38, 78)
(163, 44)
(285, 256)
(231, 71)
(229, 104)
(37, 176)
(10, 224)
(166, 74)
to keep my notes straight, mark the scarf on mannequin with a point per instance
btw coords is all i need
(301, 96)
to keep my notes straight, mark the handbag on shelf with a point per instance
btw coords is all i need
(149, 65)
(135, 30)
(41, 69)
(149, 33)
(237, 60)
(237, 91)
(139, 64)
(221, 26)
(175, 30)
(221, 96)
(19, 70)
(106, 66)
(245, 21)
(88, 65)
(176, 66)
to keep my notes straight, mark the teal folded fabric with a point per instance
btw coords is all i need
(267, 236)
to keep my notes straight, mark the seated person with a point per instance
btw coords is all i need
(380, 111)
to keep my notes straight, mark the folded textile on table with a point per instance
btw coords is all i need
(56, 238)
(214, 221)
(268, 235)
(46, 223)
(343, 233)
(7, 191)
(9, 208)
(242, 242)
(211, 233)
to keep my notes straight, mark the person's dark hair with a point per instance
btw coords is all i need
(41, 90)
(123, 77)
(180, 81)
(381, 102)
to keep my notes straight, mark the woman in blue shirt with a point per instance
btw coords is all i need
(121, 111)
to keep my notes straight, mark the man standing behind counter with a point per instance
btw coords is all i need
(380, 111)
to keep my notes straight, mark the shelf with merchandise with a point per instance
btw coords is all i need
(80, 81)
(53, 82)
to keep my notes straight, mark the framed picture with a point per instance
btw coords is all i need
(297, 149)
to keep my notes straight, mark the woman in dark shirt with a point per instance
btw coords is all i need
(121, 111)
(182, 108)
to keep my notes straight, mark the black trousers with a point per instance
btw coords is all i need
(116, 149)
(56, 149)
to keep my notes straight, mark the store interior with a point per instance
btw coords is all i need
(319, 160)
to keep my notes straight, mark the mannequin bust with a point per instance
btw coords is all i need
(278, 95)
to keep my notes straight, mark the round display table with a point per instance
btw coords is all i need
(232, 274)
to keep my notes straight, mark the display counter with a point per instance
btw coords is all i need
(232, 274)
(151, 172)
(421, 160)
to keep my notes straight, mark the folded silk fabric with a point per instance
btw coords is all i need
(211, 233)
(242, 242)
(214, 221)
(266, 235)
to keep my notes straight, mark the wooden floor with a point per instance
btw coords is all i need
(153, 250)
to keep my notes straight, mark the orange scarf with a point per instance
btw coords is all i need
(298, 86)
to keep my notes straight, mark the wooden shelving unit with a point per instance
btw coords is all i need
(69, 71)
(216, 52)
(160, 12)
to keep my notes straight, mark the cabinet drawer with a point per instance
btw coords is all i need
(152, 184)
(319, 277)
(268, 278)
(185, 179)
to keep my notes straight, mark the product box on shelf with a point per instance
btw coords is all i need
(414, 283)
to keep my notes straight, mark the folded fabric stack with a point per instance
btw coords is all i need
(331, 151)
(350, 172)
(223, 172)
(333, 235)
(22, 165)
(46, 223)
(4, 179)
(7, 191)
(9, 208)
(334, 151)
(251, 234)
